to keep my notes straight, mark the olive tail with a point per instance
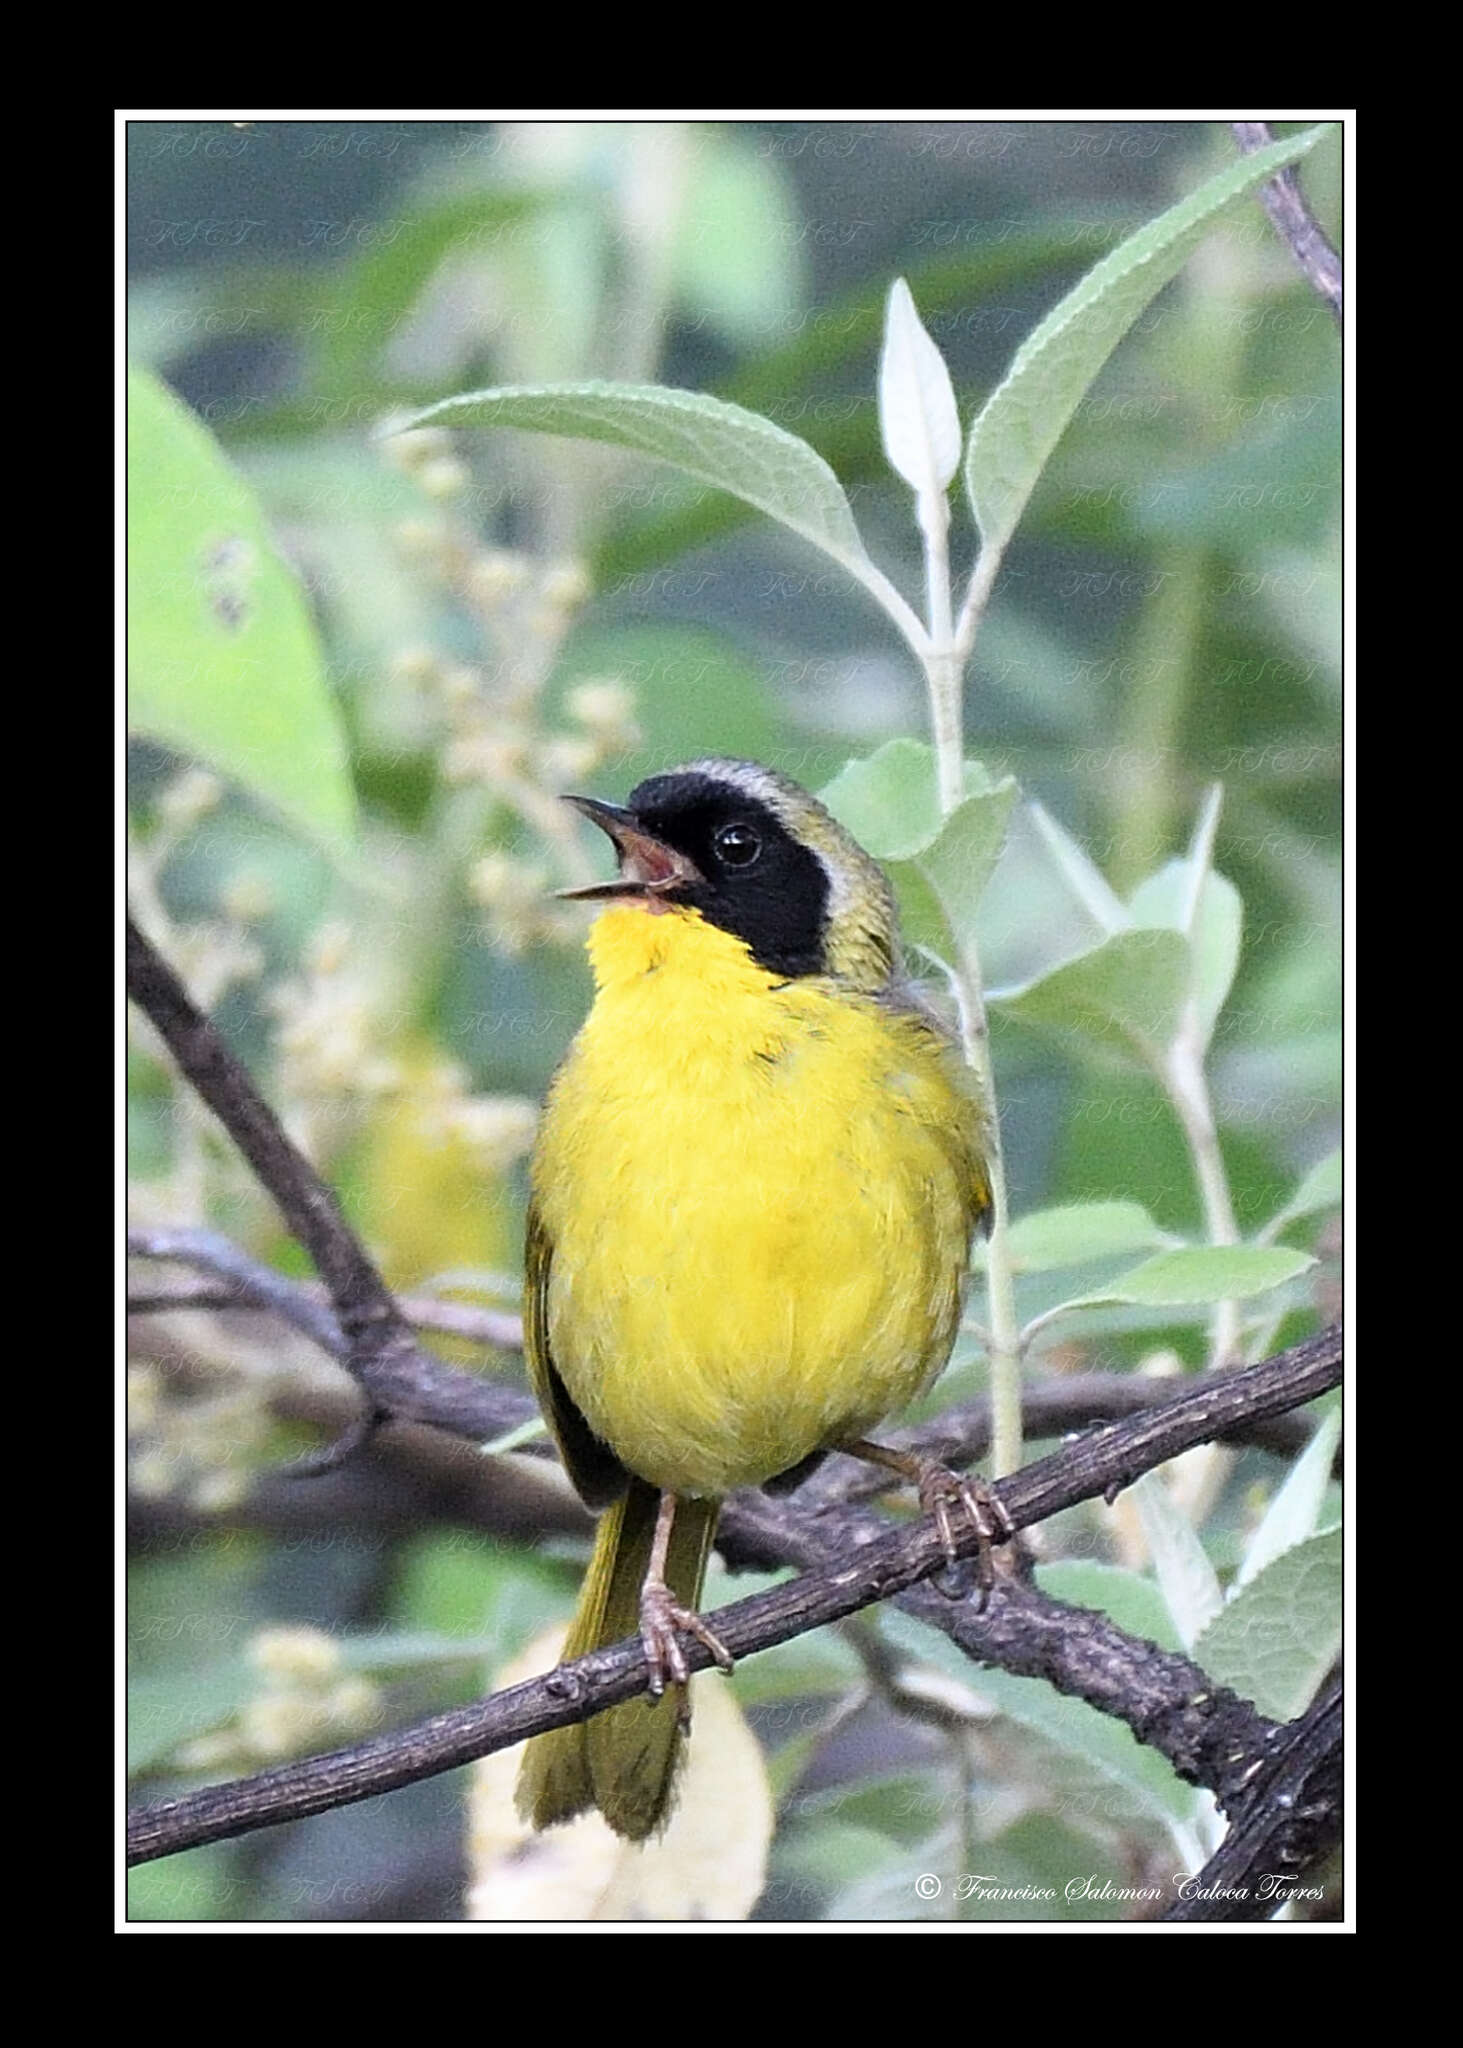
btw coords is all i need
(624, 1760)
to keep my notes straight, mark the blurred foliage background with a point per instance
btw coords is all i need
(503, 617)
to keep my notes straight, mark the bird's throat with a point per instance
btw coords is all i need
(629, 941)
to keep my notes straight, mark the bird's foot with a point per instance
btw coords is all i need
(663, 1621)
(949, 1496)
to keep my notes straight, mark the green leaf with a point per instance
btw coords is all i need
(1125, 995)
(890, 802)
(223, 661)
(513, 1439)
(903, 1803)
(1028, 412)
(1089, 886)
(1214, 940)
(1319, 1190)
(1229, 500)
(168, 1708)
(1277, 1638)
(939, 867)
(1098, 1744)
(365, 301)
(1051, 1870)
(1292, 1516)
(199, 1884)
(551, 274)
(390, 1650)
(1131, 1599)
(707, 438)
(1078, 1232)
(1189, 1582)
(809, 1667)
(844, 334)
(735, 258)
(1200, 1275)
(940, 890)
(830, 1854)
(444, 1588)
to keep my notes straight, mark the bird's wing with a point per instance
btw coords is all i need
(597, 1473)
(967, 1135)
(968, 1141)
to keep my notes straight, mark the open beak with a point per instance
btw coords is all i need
(648, 867)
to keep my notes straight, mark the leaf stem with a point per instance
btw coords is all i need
(1186, 1084)
(977, 596)
(903, 614)
(1187, 1088)
(944, 663)
(943, 673)
(933, 512)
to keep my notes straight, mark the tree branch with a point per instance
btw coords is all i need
(1208, 1734)
(460, 1402)
(466, 1405)
(380, 1352)
(1297, 226)
(851, 1560)
(1049, 1408)
(1289, 1822)
(247, 1283)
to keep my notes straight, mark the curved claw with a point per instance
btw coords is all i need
(663, 1620)
(941, 1493)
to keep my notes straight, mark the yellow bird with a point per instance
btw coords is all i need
(754, 1190)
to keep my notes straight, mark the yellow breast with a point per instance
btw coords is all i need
(759, 1197)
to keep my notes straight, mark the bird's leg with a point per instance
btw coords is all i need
(661, 1614)
(943, 1493)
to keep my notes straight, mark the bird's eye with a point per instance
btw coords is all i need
(736, 846)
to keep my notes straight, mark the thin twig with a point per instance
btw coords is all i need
(251, 1284)
(1051, 1408)
(467, 1406)
(1208, 1734)
(190, 1294)
(371, 1339)
(381, 1354)
(1283, 200)
(342, 1450)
